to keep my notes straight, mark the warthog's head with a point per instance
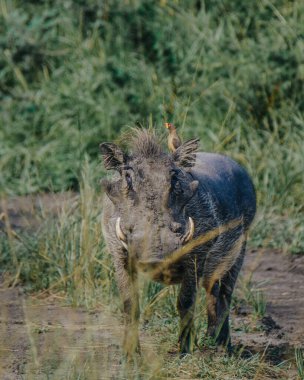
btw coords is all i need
(150, 195)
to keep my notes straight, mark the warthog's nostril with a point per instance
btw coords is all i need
(176, 227)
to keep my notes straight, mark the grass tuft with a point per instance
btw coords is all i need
(300, 362)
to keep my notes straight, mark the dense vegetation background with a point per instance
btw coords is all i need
(75, 73)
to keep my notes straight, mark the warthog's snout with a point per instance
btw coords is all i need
(184, 238)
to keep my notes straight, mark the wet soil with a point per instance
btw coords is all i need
(280, 277)
(45, 339)
(29, 211)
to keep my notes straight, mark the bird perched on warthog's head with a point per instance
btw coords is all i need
(174, 140)
(181, 216)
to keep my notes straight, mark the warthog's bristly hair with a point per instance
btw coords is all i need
(144, 143)
(185, 154)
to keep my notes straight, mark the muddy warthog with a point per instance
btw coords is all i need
(181, 217)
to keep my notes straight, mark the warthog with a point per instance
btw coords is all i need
(183, 218)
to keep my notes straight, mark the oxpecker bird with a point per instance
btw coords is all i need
(174, 140)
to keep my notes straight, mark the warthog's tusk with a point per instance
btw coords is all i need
(121, 236)
(189, 235)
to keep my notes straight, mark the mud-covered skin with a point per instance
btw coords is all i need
(154, 194)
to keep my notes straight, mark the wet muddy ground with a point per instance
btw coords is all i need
(281, 279)
(44, 339)
(47, 339)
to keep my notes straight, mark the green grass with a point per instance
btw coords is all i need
(67, 258)
(300, 362)
(254, 297)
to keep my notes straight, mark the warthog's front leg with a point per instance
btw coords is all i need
(186, 308)
(218, 297)
(131, 311)
(127, 283)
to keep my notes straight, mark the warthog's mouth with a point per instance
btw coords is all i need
(162, 269)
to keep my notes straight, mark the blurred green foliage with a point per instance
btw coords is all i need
(75, 73)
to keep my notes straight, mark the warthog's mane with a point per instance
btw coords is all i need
(145, 144)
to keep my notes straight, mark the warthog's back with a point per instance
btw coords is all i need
(228, 184)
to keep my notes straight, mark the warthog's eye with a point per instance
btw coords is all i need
(178, 188)
(128, 180)
(176, 185)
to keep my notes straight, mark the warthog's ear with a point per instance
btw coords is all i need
(113, 156)
(184, 155)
